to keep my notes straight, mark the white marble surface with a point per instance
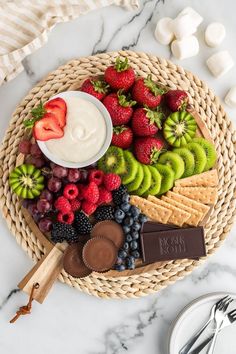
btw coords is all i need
(69, 321)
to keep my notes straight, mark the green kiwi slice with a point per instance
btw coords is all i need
(210, 151)
(131, 167)
(132, 186)
(175, 162)
(188, 159)
(200, 158)
(179, 128)
(156, 182)
(113, 161)
(168, 177)
(146, 182)
(26, 181)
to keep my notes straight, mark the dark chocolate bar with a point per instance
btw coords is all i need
(152, 226)
(173, 244)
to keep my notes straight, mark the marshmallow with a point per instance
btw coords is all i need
(220, 63)
(185, 48)
(163, 31)
(214, 34)
(195, 17)
(183, 26)
(230, 98)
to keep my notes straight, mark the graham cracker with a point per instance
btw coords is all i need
(205, 179)
(151, 210)
(202, 208)
(206, 195)
(178, 216)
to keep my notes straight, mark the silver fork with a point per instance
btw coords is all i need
(214, 309)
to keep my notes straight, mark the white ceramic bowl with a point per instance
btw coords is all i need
(107, 141)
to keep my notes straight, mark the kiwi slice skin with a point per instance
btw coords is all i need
(137, 181)
(200, 158)
(131, 168)
(26, 181)
(168, 177)
(156, 182)
(175, 162)
(113, 161)
(209, 150)
(188, 159)
(146, 182)
(179, 128)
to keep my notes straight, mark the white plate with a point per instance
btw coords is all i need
(191, 319)
(107, 141)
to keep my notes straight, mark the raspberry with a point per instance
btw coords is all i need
(104, 196)
(70, 191)
(81, 188)
(66, 218)
(62, 204)
(75, 204)
(111, 181)
(91, 193)
(88, 207)
(96, 176)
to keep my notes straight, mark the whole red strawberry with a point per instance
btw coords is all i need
(147, 150)
(122, 136)
(146, 92)
(146, 122)
(96, 88)
(120, 108)
(176, 100)
(120, 75)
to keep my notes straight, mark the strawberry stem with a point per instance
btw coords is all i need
(121, 65)
(155, 116)
(37, 113)
(100, 86)
(155, 153)
(119, 129)
(125, 101)
(153, 87)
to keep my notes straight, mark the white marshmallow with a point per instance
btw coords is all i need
(220, 63)
(195, 16)
(163, 31)
(185, 48)
(214, 34)
(230, 98)
(183, 26)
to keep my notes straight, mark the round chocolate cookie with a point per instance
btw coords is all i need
(73, 261)
(111, 230)
(99, 254)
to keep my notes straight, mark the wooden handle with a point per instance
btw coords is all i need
(45, 273)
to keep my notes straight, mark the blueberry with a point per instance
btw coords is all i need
(128, 221)
(125, 198)
(120, 267)
(122, 254)
(119, 221)
(128, 213)
(119, 214)
(126, 246)
(135, 235)
(125, 207)
(134, 211)
(135, 254)
(119, 260)
(128, 238)
(130, 263)
(126, 229)
(133, 245)
(143, 218)
(136, 226)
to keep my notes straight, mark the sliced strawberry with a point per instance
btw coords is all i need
(58, 113)
(56, 102)
(47, 128)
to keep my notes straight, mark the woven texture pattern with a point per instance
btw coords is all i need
(223, 135)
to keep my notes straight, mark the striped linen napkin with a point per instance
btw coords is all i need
(24, 26)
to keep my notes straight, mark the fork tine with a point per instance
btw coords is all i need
(222, 302)
(226, 304)
(232, 313)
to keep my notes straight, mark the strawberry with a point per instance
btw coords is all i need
(146, 122)
(111, 181)
(120, 75)
(47, 128)
(146, 92)
(59, 102)
(96, 88)
(147, 150)
(104, 196)
(122, 136)
(59, 114)
(120, 108)
(88, 207)
(176, 100)
(91, 192)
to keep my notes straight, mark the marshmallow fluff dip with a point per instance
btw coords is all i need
(84, 133)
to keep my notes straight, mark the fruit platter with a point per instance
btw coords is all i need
(122, 172)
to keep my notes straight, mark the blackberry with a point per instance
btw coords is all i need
(104, 212)
(118, 194)
(64, 232)
(82, 223)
